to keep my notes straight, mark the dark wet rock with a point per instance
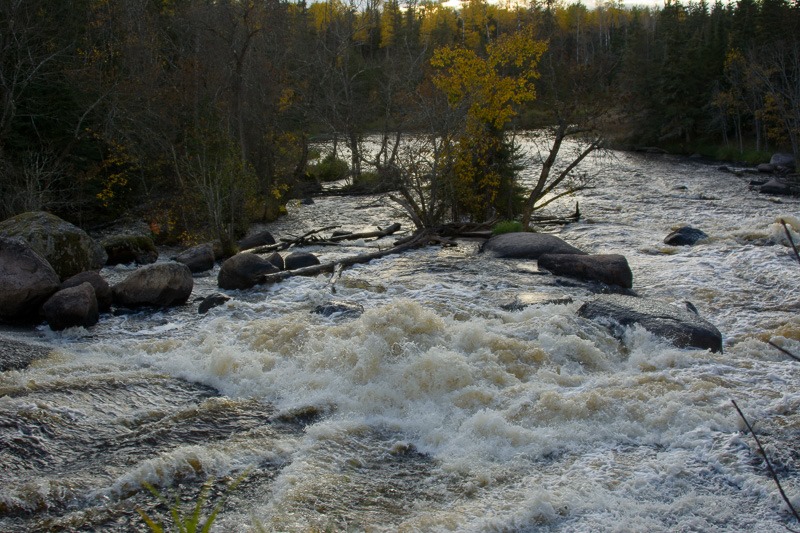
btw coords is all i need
(211, 301)
(263, 238)
(611, 269)
(782, 160)
(73, 306)
(26, 280)
(102, 290)
(685, 236)
(127, 249)
(277, 260)
(766, 168)
(67, 248)
(244, 270)
(345, 309)
(198, 258)
(307, 201)
(679, 325)
(297, 260)
(526, 245)
(776, 186)
(16, 355)
(160, 284)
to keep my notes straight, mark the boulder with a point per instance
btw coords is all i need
(685, 236)
(67, 248)
(159, 284)
(244, 270)
(102, 290)
(344, 309)
(262, 238)
(211, 301)
(783, 160)
(679, 325)
(611, 269)
(198, 258)
(126, 249)
(297, 260)
(277, 260)
(766, 168)
(26, 280)
(73, 306)
(526, 245)
(776, 186)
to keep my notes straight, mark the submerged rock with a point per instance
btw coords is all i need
(211, 301)
(611, 269)
(679, 325)
(73, 306)
(243, 271)
(346, 309)
(685, 236)
(26, 280)
(160, 284)
(67, 248)
(527, 245)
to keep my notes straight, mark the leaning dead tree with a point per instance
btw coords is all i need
(312, 238)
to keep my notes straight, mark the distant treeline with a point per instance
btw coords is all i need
(197, 114)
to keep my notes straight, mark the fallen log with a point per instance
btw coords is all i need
(419, 239)
(309, 238)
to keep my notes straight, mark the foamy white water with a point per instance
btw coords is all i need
(438, 409)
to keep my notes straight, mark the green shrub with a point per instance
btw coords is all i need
(507, 226)
(330, 169)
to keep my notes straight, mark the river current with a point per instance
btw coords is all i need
(446, 405)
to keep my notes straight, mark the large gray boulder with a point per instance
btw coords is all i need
(776, 186)
(159, 284)
(783, 160)
(244, 270)
(296, 260)
(198, 258)
(101, 288)
(26, 280)
(611, 269)
(73, 306)
(67, 248)
(262, 238)
(526, 245)
(682, 327)
(126, 249)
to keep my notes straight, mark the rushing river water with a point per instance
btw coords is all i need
(441, 407)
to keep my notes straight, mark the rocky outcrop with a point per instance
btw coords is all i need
(297, 260)
(126, 249)
(611, 269)
(101, 288)
(198, 258)
(685, 236)
(67, 248)
(526, 245)
(244, 270)
(262, 238)
(160, 284)
(73, 306)
(26, 280)
(340, 309)
(680, 326)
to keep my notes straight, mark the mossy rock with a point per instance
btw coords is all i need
(125, 249)
(67, 248)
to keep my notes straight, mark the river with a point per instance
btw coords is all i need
(442, 407)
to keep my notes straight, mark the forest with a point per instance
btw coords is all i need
(201, 116)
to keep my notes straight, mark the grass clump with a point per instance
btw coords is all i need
(331, 168)
(507, 226)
